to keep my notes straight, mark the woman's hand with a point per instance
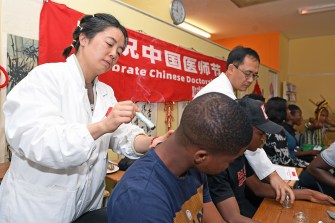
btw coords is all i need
(122, 112)
(158, 139)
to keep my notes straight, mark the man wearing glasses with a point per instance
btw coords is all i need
(242, 69)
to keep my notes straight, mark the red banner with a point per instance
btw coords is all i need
(150, 70)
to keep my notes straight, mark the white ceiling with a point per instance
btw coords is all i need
(225, 20)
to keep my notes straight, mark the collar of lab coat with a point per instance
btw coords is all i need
(101, 105)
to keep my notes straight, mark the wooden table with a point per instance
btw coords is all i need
(271, 211)
(115, 177)
(3, 169)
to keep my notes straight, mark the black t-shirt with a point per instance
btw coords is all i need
(232, 182)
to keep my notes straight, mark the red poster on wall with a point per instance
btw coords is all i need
(150, 69)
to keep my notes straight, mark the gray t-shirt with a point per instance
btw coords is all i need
(328, 155)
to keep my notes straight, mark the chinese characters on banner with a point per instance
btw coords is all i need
(150, 70)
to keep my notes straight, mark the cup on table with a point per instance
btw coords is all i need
(300, 217)
(287, 202)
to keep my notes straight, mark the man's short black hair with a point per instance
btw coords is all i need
(237, 55)
(293, 109)
(216, 123)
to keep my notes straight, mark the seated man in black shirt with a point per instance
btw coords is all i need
(227, 189)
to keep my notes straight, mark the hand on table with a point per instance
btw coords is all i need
(321, 198)
(281, 188)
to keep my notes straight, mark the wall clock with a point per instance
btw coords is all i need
(177, 12)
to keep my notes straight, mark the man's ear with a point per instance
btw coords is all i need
(200, 156)
(231, 67)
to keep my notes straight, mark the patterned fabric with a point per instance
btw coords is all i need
(276, 148)
(314, 136)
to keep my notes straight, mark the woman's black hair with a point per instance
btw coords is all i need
(90, 25)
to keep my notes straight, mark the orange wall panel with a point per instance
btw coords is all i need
(266, 45)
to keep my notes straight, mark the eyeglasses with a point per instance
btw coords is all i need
(248, 75)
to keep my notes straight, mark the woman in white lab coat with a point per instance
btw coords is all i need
(59, 135)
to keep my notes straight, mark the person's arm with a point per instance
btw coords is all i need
(313, 124)
(319, 169)
(260, 163)
(313, 196)
(220, 188)
(211, 214)
(331, 129)
(307, 153)
(260, 188)
(230, 211)
(128, 139)
(264, 190)
(281, 187)
(118, 129)
(122, 112)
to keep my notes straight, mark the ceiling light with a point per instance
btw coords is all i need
(317, 8)
(246, 3)
(195, 29)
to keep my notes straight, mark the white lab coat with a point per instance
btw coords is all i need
(57, 170)
(258, 159)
